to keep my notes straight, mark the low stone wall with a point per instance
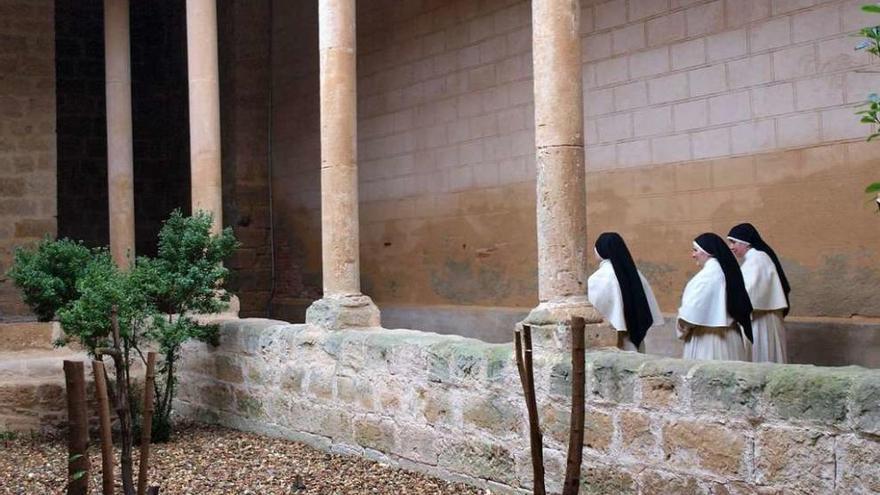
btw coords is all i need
(452, 407)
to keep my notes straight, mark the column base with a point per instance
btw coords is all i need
(550, 324)
(340, 312)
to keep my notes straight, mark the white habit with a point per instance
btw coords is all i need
(705, 326)
(768, 300)
(603, 290)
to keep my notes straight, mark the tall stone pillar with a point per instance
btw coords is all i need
(561, 186)
(204, 108)
(343, 305)
(120, 174)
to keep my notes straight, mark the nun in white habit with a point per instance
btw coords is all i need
(715, 305)
(768, 290)
(621, 293)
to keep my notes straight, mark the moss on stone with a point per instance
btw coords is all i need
(866, 403)
(728, 386)
(498, 358)
(808, 392)
(614, 374)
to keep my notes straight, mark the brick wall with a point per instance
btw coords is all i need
(27, 134)
(452, 407)
(679, 81)
(699, 115)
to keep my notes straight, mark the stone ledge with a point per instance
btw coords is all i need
(453, 406)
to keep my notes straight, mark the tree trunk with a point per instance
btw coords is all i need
(78, 430)
(147, 423)
(106, 432)
(576, 426)
(123, 409)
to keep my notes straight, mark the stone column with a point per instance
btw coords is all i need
(120, 174)
(561, 186)
(204, 108)
(343, 305)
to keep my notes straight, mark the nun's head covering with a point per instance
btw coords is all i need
(738, 303)
(636, 311)
(747, 233)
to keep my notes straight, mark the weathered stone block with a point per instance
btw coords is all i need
(375, 433)
(249, 405)
(865, 400)
(499, 361)
(292, 380)
(662, 382)
(793, 457)
(635, 433)
(494, 414)
(615, 375)
(858, 465)
(435, 405)
(335, 423)
(417, 443)
(217, 397)
(18, 396)
(653, 481)
(560, 379)
(708, 446)
(602, 479)
(477, 457)
(321, 383)
(355, 391)
(53, 396)
(808, 392)
(227, 369)
(734, 387)
(598, 426)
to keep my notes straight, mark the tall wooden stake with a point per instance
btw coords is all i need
(576, 427)
(524, 363)
(147, 424)
(106, 432)
(78, 432)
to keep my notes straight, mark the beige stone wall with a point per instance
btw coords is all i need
(452, 407)
(27, 134)
(699, 115)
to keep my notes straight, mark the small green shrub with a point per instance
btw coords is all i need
(47, 274)
(155, 300)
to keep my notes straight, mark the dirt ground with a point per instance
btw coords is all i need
(207, 460)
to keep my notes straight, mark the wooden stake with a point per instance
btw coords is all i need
(78, 430)
(147, 423)
(106, 432)
(527, 377)
(576, 425)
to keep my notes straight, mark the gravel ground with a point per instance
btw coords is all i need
(211, 460)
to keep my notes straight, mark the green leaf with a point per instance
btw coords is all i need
(74, 457)
(873, 188)
(78, 475)
(873, 8)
